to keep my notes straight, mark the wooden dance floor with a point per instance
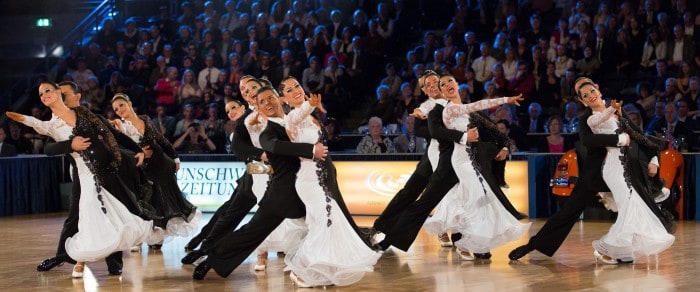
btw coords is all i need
(27, 240)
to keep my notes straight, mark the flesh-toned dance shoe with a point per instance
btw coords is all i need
(49, 264)
(298, 282)
(78, 270)
(445, 240)
(261, 264)
(604, 259)
(201, 270)
(465, 255)
(520, 252)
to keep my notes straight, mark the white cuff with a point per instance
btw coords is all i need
(655, 161)
(177, 160)
(463, 140)
(623, 139)
(506, 149)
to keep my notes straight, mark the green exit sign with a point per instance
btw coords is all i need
(43, 22)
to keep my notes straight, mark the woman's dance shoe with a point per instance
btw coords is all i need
(261, 264)
(298, 282)
(445, 240)
(78, 270)
(483, 256)
(49, 264)
(465, 255)
(604, 259)
(136, 248)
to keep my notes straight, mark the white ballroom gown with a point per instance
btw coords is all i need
(637, 230)
(482, 220)
(332, 252)
(100, 233)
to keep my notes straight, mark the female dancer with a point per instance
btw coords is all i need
(640, 226)
(333, 252)
(481, 219)
(160, 168)
(289, 234)
(105, 225)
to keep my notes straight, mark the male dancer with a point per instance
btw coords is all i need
(411, 219)
(127, 169)
(419, 179)
(232, 212)
(280, 200)
(590, 182)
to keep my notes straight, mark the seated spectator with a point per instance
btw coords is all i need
(164, 123)
(408, 142)
(312, 78)
(383, 106)
(189, 91)
(6, 149)
(94, 95)
(167, 89)
(333, 139)
(570, 121)
(554, 142)
(375, 142)
(194, 141)
(634, 114)
(214, 127)
(16, 137)
(588, 66)
(406, 103)
(534, 123)
(188, 112)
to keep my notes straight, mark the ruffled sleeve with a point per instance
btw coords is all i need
(453, 110)
(42, 127)
(598, 118)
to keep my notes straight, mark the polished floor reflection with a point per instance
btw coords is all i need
(26, 240)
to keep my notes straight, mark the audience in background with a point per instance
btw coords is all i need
(620, 46)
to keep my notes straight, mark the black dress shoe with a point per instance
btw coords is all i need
(519, 252)
(201, 270)
(155, 246)
(482, 256)
(194, 242)
(49, 264)
(192, 257)
(521, 216)
(114, 270)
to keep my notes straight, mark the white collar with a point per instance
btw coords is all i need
(276, 120)
(441, 101)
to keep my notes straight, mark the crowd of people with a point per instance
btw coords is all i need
(181, 69)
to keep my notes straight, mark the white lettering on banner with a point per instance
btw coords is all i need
(209, 184)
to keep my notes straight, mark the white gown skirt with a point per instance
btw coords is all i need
(637, 231)
(484, 223)
(330, 254)
(103, 233)
(286, 237)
